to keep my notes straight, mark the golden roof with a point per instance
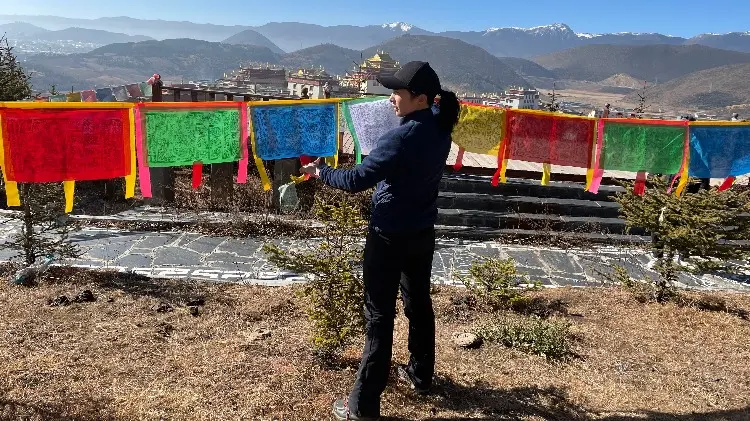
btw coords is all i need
(381, 56)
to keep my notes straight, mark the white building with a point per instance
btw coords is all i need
(522, 99)
(315, 82)
(371, 86)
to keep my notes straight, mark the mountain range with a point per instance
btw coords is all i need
(21, 31)
(654, 63)
(705, 89)
(292, 36)
(708, 70)
(462, 66)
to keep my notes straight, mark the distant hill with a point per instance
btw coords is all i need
(707, 89)
(334, 59)
(527, 67)
(648, 62)
(461, 66)
(174, 59)
(156, 28)
(93, 36)
(292, 36)
(622, 80)
(16, 29)
(250, 37)
(738, 41)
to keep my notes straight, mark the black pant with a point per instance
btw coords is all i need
(390, 261)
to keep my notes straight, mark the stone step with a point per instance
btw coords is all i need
(506, 234)
(528, 204)
(520, 187)
(531, 221)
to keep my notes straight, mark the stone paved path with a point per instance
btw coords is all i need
(197, 256)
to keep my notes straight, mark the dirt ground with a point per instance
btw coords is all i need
(140, 353)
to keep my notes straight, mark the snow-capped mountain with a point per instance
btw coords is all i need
(292, 36)
(398, 26)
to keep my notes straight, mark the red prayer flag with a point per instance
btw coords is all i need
(53, 145)
(550, 138)
(197, 175)
(727, 184)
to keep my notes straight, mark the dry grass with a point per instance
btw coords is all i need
(118, 358)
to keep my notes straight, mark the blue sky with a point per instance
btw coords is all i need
(673, 17)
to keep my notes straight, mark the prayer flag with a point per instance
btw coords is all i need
(177, 134)
(368, 120)
(105, 95)
(290, 129)
(719, 150)
(74, 97)
(146, 89)
(88, 96)
(62, 144)
(134, 90)
(556, 139)
(120, 93)
(653, 146)
(480, 129)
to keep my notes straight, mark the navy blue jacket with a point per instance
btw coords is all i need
(406, 165)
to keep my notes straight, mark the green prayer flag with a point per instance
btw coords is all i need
(177, 138)
(643, 147)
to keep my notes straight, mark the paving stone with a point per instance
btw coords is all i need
(243, 247)
(526, 257)
(107, 252)
(561, 262)
(176, 256)
(135, 261)
(242, 260)
(188, 237)
(204, 245)
(485, 252)
(154, 241)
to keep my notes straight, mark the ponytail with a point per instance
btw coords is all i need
(450, 110)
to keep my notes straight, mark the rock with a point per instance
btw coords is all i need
(164, 329)
(163, 307)
(467, 340)
(85, 296)
(196, 302)
(260, 334)
(60, 301)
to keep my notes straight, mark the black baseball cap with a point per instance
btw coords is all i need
(416, 76)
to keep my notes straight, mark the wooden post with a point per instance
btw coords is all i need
(222, 180)
(162, 179)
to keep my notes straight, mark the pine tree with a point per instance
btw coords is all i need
(42, 227)
(14, 82)
(702, 229)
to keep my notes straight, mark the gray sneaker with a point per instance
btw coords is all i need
(341, 413)
(405, 377)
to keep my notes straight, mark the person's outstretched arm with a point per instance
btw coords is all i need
(373, 169)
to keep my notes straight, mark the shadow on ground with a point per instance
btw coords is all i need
(11, 410)
(138, 286)
(480, 402)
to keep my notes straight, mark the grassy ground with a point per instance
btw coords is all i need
(120, 358)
